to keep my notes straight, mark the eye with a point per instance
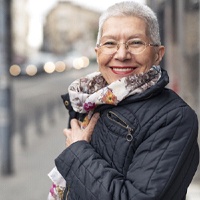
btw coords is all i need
(109, 44)
(135, 43)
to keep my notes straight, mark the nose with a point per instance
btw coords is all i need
(122, 52)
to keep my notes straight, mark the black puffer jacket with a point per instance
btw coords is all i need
(143, 149)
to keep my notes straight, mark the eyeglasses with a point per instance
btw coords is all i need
(134, 46)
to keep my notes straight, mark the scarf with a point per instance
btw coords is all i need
(91, 91)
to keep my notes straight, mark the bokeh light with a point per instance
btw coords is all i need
(31, 70)
(81, 62)
(60, 66)
(49, 67)
(15, 70)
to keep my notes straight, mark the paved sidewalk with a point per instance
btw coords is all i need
(194, 191)
(30, 181)
(32, 164)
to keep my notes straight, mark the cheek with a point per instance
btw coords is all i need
(147, 61)
(103, 61)
(102, 58)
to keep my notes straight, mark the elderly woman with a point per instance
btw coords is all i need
(129, 136)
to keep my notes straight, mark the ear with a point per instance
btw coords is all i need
(159, 54)
(96, 49)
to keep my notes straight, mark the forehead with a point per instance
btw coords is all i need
(124, 27)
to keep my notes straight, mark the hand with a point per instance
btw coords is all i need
(76, 133)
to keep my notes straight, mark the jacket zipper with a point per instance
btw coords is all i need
(121, 122)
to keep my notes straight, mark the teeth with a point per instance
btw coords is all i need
(122, 69)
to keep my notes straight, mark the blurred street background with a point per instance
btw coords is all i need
(45, 45)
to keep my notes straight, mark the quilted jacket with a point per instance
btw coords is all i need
(145, 148)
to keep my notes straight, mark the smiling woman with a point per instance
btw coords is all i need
(129, 59)
(129, 136)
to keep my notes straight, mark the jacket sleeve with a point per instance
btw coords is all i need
(161, 169)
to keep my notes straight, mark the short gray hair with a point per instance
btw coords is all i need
(131, 8)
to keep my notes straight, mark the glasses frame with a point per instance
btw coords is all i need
(127, 47)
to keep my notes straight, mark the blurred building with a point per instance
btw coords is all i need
(66, 27)
(179, 25)
(20, 26)
(70, 27)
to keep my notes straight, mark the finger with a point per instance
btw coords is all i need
(93, 121)
(66, 131)
(75, 123)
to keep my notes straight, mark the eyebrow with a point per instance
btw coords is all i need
(108, 37)
(130, 37)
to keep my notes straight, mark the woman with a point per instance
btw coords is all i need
(129, 137)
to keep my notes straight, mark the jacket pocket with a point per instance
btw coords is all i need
(120, 121)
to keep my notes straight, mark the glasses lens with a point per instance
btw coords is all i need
(133, 46)
(136, 46)
(108, 49)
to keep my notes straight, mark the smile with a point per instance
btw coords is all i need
(122, 70)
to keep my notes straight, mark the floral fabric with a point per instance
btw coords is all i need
(58, 186)
(89, 92)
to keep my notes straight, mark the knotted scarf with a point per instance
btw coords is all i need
(90, 91)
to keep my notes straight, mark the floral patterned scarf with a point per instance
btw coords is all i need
(89, 92)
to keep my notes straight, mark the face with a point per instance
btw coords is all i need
(123, 63)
